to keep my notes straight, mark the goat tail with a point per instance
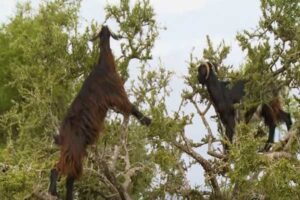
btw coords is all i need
(72, 151)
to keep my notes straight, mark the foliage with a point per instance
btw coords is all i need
(42, 69)
(138, 28)
(44, 58)
(271, 69)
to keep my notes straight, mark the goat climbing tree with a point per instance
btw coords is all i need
(41, 73)
(272, 65)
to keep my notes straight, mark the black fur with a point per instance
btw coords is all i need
(224, 99)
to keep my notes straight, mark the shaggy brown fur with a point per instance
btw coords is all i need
(103, 89)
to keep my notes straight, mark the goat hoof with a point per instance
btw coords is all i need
(146, 121)
(266, 148)
(53, 196)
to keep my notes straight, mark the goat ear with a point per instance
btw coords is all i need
(114, 35)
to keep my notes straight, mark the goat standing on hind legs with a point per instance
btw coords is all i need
(103, 89)
(224, 99)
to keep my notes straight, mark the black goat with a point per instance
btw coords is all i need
(224, 99)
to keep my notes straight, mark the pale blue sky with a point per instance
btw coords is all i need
(188, 22)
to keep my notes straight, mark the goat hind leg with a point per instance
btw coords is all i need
(70, 187)
(53, 182)
(127, 108)
(270, 140)
(229, 123)
(286, 118)
(249, 114)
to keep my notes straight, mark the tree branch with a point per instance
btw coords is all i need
(204, 163)
(277, 155)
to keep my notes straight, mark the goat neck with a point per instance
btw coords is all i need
(106, 58)
(216, 90)
(105, 45)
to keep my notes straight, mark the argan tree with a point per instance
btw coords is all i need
(272, 68)
(44, 57)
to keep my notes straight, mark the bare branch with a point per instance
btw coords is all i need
(186, 186)
(211, 150)
(204, 163)
(277, 155)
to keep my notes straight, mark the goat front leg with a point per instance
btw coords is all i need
(229, 136)
(124, 106)
(140, 116)
(270, 120)
(229, 124)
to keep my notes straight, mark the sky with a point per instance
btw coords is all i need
(187, 22)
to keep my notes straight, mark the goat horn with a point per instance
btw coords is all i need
(207, 69)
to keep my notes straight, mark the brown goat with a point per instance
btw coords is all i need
(102, 90)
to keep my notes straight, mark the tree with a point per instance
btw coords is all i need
(43, 62)
(272, 65)
(47, 60)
